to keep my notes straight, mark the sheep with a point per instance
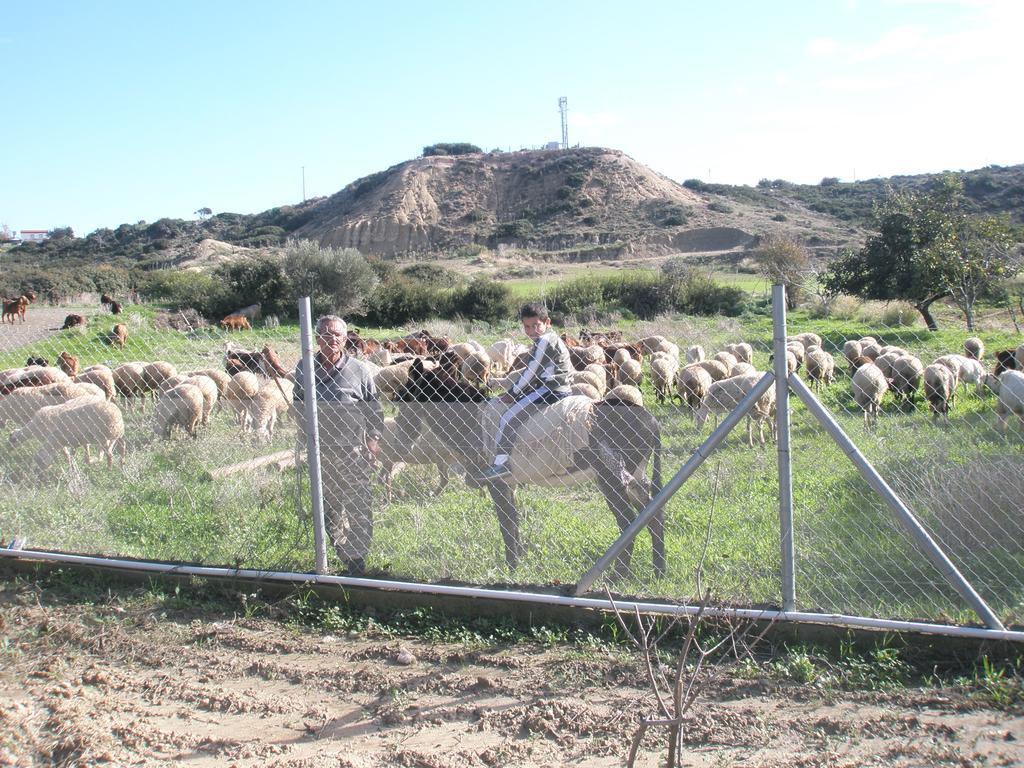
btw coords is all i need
(806, 339)
(118, 336)
(588, 378)
(19, 406)
(726, 358)
(868, 340)
(1011, 399)
(101, 376)
(741, 369)
(502, 353)
(695, 354)
(820, 367)
(652, 343)
(792, 364)
(476, 368)
(36, 360)
(82, 422)
(971, 372)
(669, 348)
(869, 385)
(261, 413)
(391, 379)
(397, 449)
(952, 362)
(851, 351)
(240, 390)
(663, 374)
(870, 350)
(724, 396)
(625, 393)
(285, 388)
(798, 351)
(210, 392)
(129, 381)
(30, 376)
(630, 373)
(905, 377)
(692, 383)
(974, 348)
(715, 368)
(181, 406)
(884, 363)
(154, 374)
(621, 356)
(892, 349)
(600, 374)
(743, 352)
(219, 377)
(939, 389)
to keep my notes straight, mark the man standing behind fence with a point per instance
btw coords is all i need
(350, 419)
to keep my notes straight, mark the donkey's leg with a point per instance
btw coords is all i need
(504, 500)
(615, 496)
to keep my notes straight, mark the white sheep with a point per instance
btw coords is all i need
(398, 449)
(741, 369)
(743, 352)
(807, 339)
(651, 344)
(692, 383)
(728, 359)
(182, 407)
(588, 378)
(380, 356)
(502, 353)
(601, 374)
(82, 422)
(210, 394)
(584, 389)
(953, 363)
(19, 406)
(851, 351)
(663, 374)
(799, 351)
(101, 376)
(130, 382)
(885, 361)
(621, 356)
(715, 368)
(31, 376)
(240, 390)
(476, 368)
(820, 367)
(939, 389)
(625, 393)
(629, 373)
(869, 385)
(871, 351)
(724, 396)
(905, 377)
(695, 354)
(974, 348)
(1011, 399)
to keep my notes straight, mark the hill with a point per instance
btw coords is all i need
(560, 205)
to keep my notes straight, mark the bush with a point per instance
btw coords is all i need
(720, 207)
(779, 217)
(899, 314)
(430, 274)
(337, 281)
(457, 148)
(470, 250)
(482, 299)
(695, 184)
(183, 289)
(842, 307)
(514, 230)
(401, 301)
(254, 280)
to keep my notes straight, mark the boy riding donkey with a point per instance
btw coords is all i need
(544, 381)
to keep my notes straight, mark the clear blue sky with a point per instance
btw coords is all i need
(119, 112)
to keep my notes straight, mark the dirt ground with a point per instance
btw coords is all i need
(128, 681)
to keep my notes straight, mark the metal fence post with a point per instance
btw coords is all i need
(785, 468)
(312, 434)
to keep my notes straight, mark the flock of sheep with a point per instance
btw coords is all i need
(63, 408)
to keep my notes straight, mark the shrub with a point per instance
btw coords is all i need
(482, 299)
(899, 314)
(514, 230)
(779, 217)
(258, 279)
(430, 274)
(720, 207)
(695, 184)
(183, 289)
(470, 250)
(337, 281)
(401, 301)
(456, 148)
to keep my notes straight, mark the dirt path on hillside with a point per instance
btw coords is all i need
(40, 322)
(116, 683)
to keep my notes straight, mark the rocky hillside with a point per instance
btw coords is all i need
(582, 203)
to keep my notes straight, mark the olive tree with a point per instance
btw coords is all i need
(784, 261)
(338, 281)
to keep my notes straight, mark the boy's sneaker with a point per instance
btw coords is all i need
(495, 473)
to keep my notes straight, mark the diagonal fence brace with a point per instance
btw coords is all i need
(917, 531)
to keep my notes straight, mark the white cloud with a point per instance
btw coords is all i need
(595, 119)
(822, 46)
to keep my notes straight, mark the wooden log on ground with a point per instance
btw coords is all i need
(282, 460)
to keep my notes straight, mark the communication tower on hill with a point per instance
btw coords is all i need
(563, 108)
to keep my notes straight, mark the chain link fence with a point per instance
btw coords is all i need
(198, 455)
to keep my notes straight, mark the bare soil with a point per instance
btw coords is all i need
(124, 681)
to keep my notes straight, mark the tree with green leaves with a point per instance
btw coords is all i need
(908, 256)
(784, 261)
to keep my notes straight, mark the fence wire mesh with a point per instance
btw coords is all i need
(206, 461)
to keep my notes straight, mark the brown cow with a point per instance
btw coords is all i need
(74, 321)
(236, 323)
(106, 298)
(118, 335)
(410, 346)
(115, 308)
(14, 307)
(68, 364)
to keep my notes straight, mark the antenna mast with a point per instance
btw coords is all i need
(565, 122)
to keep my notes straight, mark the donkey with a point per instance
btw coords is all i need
(622, 439)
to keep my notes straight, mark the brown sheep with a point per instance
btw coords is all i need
(74, 321)
(118, 335)
(236, 323)
(68, 364)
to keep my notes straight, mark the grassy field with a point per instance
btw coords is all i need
(963, 480)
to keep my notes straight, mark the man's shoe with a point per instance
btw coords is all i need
(494, 473)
